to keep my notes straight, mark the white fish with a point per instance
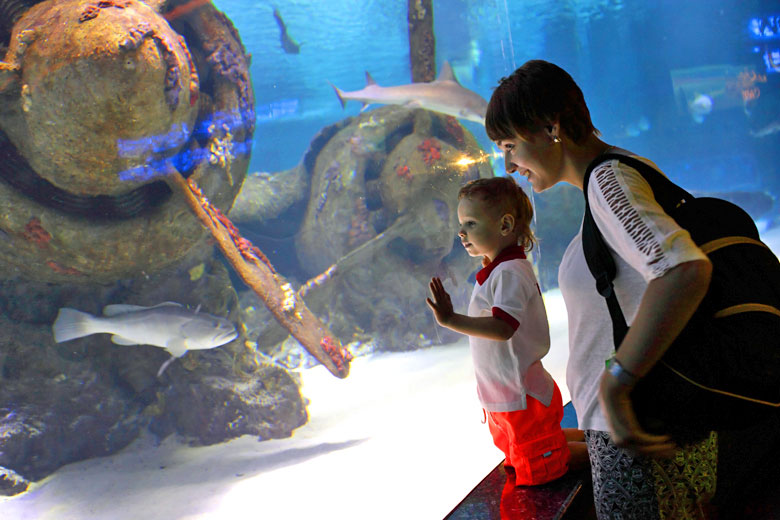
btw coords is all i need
(444, 95)
(168, 325)
(700, 107)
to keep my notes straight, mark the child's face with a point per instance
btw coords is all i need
(482, 231)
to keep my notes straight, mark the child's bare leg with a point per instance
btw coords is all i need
(578, 448)
(579, 460)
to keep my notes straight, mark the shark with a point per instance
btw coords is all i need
(444, 95)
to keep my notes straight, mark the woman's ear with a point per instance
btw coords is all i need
(553, 130)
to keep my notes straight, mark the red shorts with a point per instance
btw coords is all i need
(532, 440)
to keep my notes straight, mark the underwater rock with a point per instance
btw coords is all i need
(382, 219)
(57, 409)
(265, 197)
(214, 409)
(61, 403)
(11, 483)
(98, 102)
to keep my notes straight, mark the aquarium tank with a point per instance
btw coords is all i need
(219, 221)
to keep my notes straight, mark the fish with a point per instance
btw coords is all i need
(700, 107)
(289, 45)
(168, 325)
(769, 129)
(444, 95)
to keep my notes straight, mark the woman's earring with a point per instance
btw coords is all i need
(556, 139)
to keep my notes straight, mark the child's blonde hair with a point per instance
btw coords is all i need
(505, 196)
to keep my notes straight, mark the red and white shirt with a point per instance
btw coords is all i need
(507, 371)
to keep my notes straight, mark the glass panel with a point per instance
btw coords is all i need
(307, 235)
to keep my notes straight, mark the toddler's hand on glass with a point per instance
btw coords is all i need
(441, 305)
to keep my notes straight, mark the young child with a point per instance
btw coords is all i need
(509, 334)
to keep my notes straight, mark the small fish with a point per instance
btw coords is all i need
(700, 106)
(168, 325)
(444, 95)
(766, 130)
(289, 45)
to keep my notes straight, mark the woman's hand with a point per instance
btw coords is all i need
(624, 426)
(441, 305)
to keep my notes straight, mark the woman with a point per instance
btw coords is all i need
(539, 119)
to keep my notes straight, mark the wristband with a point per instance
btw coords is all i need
(623, 376)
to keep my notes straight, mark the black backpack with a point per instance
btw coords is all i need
(723, 371)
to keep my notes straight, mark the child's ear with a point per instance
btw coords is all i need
(507, 224)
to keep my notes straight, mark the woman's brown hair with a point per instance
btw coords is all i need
(534, 96)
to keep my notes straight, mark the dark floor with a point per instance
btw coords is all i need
(570, 498)
(497, 498)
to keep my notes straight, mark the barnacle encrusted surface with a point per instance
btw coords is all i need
(99, 101)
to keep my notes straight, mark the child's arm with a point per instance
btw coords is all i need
(485, 327)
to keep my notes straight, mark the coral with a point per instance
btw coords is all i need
(228, 63)
(34, 232)
(359, 230)
(221, 148)
(335, 350)
(333, 173)
(135, 36)
(455, 129)
(57, 268)
(248, 250)
(194, 84)
(404, 173)
(92, 10)
(431, 151)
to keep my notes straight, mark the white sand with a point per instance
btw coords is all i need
(401, 437)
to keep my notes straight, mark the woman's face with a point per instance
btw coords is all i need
(537, 158)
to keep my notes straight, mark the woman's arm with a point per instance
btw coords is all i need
(667, 304)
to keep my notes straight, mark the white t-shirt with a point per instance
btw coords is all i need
(645, 243)
(507, 371)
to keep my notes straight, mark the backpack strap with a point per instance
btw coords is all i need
(597, 254)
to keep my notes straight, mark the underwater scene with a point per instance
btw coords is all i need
(220, 218)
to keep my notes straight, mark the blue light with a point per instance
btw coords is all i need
(176, 136)
(765, 28)
(158, 150)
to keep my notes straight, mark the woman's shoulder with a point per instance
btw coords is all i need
(613, 176)
(614, 165)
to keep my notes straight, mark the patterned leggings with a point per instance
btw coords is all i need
(639, 488)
